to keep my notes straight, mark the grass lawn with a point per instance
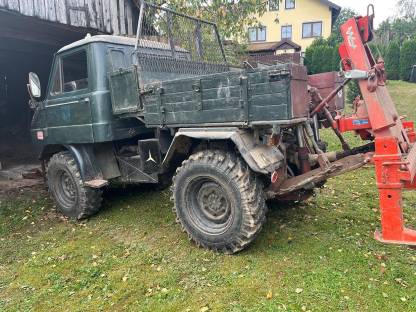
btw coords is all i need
(319, 255)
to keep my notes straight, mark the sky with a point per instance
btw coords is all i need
(383, 8)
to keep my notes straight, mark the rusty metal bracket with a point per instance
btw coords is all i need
(310, 179)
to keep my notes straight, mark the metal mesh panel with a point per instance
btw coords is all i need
(170, 44)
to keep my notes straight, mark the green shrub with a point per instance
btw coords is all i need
(378, 50)
(392, 61)
(321, 59)
(307, 60)
(353, 90)
(335, 58)
(327, 55)
(407, 58)
(312, 59)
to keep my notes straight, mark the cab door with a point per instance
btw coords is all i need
(68, 103)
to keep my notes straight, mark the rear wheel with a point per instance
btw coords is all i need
(71, 197)
(218, 201)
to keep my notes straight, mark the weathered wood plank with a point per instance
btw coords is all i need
(39, 9)
(26, 7)
(111, 16)
(92, 13)
(99, 14)
(13, 5)
(106, 16)
(129, 17)
(50, 10)
(77, 13)
(60, 11)
(114, 17)
(122, 16)
(77, 18)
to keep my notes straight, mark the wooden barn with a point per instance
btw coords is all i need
(31, 31)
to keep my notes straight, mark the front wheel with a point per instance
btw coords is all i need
(71, 196)
(219, 201)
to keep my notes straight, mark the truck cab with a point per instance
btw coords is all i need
(77, 106)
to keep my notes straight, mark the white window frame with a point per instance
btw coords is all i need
(291, 32)
(277, 3)
(257, 34)
(312, 35)
(291, 8)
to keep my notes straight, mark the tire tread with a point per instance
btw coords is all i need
(253, 201)
(89, 199)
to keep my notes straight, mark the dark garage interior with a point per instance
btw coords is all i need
(27, 44)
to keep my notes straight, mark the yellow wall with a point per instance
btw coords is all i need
(304, 11)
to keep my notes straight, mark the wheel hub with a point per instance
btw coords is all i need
(68, 185)
(68, 188)
(213, 202)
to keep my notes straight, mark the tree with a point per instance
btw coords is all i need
(403, 29)
(326, 55)
(321, 59)
(353, 90)
(336, 59)
(407, 8)
(407, 58)
(378, 49)
(392, 61)
(308, 60)
(336, 36)
(231, 17)
(383, 32)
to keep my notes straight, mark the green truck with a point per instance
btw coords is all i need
(166, 107)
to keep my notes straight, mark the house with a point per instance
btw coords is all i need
(290, 26)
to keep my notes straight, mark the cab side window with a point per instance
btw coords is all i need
(70, 73)
(75, 71)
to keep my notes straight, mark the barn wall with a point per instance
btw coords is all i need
(106, 16)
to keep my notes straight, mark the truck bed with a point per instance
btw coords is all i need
(246, 97)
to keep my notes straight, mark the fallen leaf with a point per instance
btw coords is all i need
(269, 295)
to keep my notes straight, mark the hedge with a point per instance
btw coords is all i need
(407, 58)
(392, 61)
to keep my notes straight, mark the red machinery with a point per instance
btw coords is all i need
(376, 118)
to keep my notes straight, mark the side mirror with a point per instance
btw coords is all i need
(34, 87)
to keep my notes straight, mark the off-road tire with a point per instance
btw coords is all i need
(72, 198)
(218, 201)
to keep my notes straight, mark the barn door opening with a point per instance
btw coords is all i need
(27, 44)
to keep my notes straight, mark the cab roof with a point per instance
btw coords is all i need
(119, 40)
